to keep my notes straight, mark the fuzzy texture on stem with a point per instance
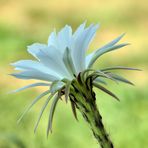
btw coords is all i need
(83, 98)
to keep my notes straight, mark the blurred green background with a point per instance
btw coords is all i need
(23, 22)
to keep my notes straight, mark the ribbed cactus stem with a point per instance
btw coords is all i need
(83, 97)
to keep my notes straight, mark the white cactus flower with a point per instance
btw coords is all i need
(64, 60)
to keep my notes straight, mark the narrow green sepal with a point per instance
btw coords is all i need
(119, 67)
(67, 90)
(52, 110)
(42, 110)
(32, 104)
(105, 90)
(73, 107)
(102, 51)
(120, 78)
(67, 59)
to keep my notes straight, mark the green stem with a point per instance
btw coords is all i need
(85, 101)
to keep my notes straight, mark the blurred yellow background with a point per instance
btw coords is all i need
(23, 22)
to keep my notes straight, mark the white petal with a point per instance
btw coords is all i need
(33, 65)
(88, 58)
(51, 58)
(79, 30)
(52, 40)
(55, 86)
(80, 45)
(34, 75)
(64, 38)
(34, 49)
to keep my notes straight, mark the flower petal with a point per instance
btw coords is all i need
(79, 30)
(33, 65)
(55, 86)
(52, 40)
(34, 49)
(80, 45)
(51, 58)
(65, 38)
(34, 75)
(62, 39)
